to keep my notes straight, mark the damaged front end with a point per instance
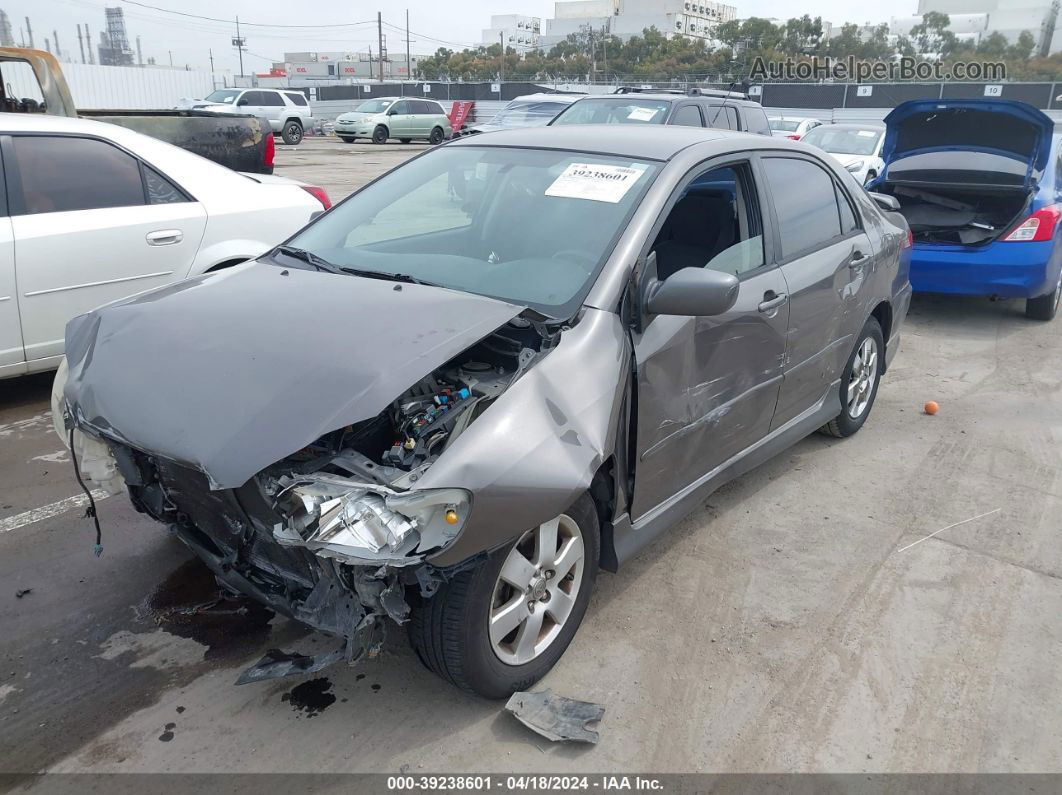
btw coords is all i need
(337, 534)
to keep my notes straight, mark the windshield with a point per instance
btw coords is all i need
(615, 111)
(222, 95)
(844, 142)
(528, 114)
(528, 226)
(374, 106)
(784, 125)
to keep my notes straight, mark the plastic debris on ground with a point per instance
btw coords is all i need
(555, 717)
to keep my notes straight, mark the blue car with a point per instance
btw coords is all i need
(979, 183)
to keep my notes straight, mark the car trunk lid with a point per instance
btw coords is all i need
(989, 143)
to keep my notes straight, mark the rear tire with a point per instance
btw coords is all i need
(292, 133)
(379, 135)
(451, 631)
(859, 382)
(436, 136)
(1044, 307)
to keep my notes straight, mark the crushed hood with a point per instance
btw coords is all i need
(231, 371)
(1007, 128)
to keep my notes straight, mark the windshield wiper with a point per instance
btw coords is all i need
(320, 263)
(387, 277)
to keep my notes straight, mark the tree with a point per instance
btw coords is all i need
(1023, 48)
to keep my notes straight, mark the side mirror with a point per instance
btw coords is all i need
(888, 203)
(391, 112)
(696, 292)
(242, 102)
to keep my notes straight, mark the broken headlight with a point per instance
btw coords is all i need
(356, 522)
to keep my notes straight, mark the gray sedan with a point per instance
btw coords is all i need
(508, 363)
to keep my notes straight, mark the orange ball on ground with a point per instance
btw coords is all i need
(931, 407)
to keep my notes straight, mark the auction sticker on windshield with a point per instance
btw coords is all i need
(643, 114)
(596, 182)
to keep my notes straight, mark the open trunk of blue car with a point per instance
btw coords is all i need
(964, 171)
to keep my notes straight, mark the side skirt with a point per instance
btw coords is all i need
(631, 537)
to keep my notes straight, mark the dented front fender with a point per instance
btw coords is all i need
(537, 448)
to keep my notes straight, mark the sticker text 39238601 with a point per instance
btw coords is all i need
(594, 181)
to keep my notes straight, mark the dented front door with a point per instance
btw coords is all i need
(707, 388)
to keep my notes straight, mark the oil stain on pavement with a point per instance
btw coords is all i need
(311, 697)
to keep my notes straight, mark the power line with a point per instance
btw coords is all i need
(254, 24)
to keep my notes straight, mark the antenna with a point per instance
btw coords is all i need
(723, 103)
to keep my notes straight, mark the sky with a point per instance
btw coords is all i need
(268, 26)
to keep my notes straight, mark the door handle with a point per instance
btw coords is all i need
(857, 260)
(164, 237)
(769, 303)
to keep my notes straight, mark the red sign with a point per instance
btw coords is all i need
(459, 112)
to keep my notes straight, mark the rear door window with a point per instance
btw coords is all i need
(687, 116)
(66, 173)
(756, 120)
(271, 99)
(805, 203)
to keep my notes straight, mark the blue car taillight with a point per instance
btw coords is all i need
(1037, 228)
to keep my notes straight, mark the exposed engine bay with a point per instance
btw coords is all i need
(351, 495)
(958, 216)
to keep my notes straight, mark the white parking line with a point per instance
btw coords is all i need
(48, 511)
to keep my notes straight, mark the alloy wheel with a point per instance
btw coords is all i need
(861, 383)
(536, 590)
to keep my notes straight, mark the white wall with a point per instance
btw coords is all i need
(97, 87)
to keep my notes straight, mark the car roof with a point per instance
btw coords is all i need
(547, 97)
(851, 125)
(707, 99)
(650, 141)
(43, 122)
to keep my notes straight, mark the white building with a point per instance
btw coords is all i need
(627, 18)
(303, 68)
(519, 32)
(972, 20)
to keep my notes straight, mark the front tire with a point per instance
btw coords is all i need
(379, 135)
(1044, 307)
(500, 627)
(859, 382)
(436, 136)
(292, 133)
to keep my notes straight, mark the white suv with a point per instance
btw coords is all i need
(287, 112)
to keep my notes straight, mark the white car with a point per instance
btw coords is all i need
(288, 112)
(792, 127)
(95, 212)
(857, 147)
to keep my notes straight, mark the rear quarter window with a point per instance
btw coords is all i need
(298, 99)
(756, 121)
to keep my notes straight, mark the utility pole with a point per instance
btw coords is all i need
(88, 44)
(210, 52)
(593, 63)
(238, 44)
(379, 34)
(409, 63)
(80, 45)
(501, 64)
(47, 44)
(139, 54)
(55, 41)
(29, 32)
(171, 58)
